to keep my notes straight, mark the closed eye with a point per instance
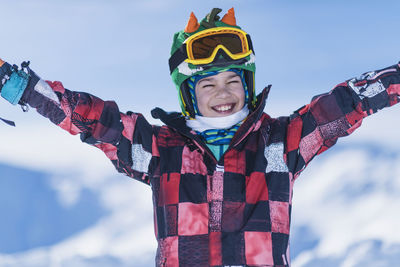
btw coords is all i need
(234, 80)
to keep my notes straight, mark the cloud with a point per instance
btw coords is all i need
(346, 200)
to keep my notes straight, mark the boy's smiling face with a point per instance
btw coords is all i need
(220, 95)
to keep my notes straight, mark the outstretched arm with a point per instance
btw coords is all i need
(126, 139)
(316, 127)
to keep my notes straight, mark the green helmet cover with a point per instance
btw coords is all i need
(185, 70)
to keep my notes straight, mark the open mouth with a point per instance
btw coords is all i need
(224, 108)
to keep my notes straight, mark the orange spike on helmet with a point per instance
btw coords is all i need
(192, 25)
(229, 17)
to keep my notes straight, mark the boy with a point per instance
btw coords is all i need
(222, 174)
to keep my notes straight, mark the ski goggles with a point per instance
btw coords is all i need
(203, 47)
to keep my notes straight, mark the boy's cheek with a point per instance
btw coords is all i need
(203, 108)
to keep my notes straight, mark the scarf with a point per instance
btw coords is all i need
(218, 130)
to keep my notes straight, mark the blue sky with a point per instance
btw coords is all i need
(119, 50)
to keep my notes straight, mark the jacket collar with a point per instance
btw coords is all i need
(253, 117)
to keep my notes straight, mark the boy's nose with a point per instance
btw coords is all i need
(222, 92)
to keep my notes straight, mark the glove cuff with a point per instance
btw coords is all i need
(15, 86)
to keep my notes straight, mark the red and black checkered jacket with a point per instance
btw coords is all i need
(235, 211)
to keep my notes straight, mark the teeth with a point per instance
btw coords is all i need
(223, 108)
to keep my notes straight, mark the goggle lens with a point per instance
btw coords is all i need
(204, 47)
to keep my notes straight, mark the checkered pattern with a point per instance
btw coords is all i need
(235, 211)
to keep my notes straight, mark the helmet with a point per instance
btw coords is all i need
(211, 45)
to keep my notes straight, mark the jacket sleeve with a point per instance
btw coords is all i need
(126, 139)
(316, 127)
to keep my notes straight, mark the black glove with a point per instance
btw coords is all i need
(5, 72)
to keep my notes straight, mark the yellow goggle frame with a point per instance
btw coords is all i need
(242, 35)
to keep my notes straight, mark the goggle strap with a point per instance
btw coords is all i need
(250, 44)
(177, 58)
